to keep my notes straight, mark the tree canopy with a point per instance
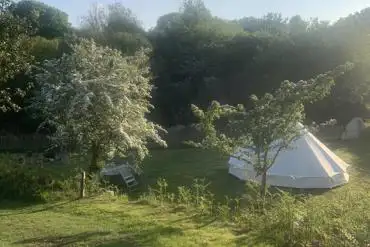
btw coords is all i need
(196, 57)
(210, 58)
(47, 21)
(97, 98)
(15, 57)
(114, 26)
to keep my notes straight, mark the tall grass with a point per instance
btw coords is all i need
(282, 219)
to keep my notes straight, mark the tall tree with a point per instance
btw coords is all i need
(272, 23)
(186, 48)
(15, 57)
(197, 57)
(99, 99)
(349, 40)
(49, 22)
(115, 26)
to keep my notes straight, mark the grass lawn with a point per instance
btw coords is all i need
(112, 221)
(182, 166)
(107, 221)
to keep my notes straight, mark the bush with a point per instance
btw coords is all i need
(22, 183)
(69, 188)
(34, 184)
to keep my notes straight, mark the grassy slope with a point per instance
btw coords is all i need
(117, 222)
(107, 221)
(113, 222)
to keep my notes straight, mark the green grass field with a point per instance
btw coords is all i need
(181, 167)
(123, 221)
(106, 221)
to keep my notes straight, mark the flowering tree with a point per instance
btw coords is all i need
(98, 99)
(268, 127)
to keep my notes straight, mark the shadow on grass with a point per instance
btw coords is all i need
(200, 220)
(261, 237)
(145, 237)
(14, 205)
(17, 206)
(66, 240)
(253, 240)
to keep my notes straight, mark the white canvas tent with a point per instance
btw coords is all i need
(307, 164)
(353, 129)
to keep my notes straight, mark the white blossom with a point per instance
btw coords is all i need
(91, 101)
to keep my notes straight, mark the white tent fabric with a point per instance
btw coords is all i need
(353, 129)
(308, 164)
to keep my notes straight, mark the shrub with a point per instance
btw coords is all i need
(31, 183)
(70, 187)
(22, 183)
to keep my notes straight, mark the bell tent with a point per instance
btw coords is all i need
(353, 129)
(308, 163)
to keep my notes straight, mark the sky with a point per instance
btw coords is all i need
(148, 11)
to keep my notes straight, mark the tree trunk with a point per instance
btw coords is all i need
(264, 173)
(95, 164)
(263, 184)
(82, 185)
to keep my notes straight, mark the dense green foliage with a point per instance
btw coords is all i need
(209, 58)
(114, 26)
(14, 55)
(22, 184)
(197, 58)
(26, 31)
(47, 21)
